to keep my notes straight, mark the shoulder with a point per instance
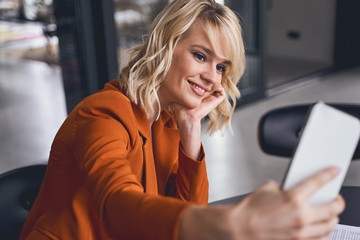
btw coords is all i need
(110, 97)
(109, 101)
(106, 111)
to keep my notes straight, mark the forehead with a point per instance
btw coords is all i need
(210, 37)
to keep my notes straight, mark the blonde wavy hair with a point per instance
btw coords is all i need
(150, 61)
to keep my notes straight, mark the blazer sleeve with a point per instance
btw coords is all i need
(188, 180)
(102, 144)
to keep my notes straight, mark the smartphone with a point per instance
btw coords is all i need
(328, 138)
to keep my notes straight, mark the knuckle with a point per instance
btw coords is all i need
(293, 201)
(341, 203)
(300, 221)
(330, 225)
(337, 207)
(333, 222)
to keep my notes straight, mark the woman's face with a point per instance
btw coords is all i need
(196, 70)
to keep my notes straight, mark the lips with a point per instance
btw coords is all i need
(197, 89)
(196, 86)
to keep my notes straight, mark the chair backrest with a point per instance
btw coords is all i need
(279, 128)
(18, 191)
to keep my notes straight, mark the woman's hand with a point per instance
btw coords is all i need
(269, 213)
(189, 121)
(207, 105)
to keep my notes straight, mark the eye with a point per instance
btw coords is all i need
(220, 68)
(199, 56)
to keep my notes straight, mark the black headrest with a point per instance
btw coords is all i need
(279, 128)
(18, 191)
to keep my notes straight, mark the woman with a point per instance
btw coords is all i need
(128, 161)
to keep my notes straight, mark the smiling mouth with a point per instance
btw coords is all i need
(197, 87)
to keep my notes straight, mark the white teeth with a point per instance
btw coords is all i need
(197, 87)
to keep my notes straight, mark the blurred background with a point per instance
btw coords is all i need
(54, 53)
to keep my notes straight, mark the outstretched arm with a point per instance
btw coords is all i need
(268, 213)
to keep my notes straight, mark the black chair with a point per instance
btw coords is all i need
(18, 190)
(279, 128)
(278, 132)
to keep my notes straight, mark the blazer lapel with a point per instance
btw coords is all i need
(149, 180)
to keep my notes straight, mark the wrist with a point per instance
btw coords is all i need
(199, 222)
(243, 222)
(190, 139)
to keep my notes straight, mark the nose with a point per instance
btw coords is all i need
(211, 75)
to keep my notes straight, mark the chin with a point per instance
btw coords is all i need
(192, 105)
(189, 102)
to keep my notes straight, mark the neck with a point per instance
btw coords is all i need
(152, 117)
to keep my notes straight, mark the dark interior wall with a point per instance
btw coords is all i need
(347, 40)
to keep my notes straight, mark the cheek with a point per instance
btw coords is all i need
(185, 64)
(170, 78)
(182, 66)
(219, 82)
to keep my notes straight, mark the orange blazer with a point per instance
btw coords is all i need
(105, 149)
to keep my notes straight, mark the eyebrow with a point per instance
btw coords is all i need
(211, 53)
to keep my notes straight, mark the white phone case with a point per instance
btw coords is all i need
(329, 138)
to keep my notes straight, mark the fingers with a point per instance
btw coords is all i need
(327, 211)
(272, 213)
(319, 230)
(270, 185)
(213, 100)
(311, 222)
(314, 183)
(207, 105)
(219, 92)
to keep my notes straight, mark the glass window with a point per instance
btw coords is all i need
(27, 30)
(298, 46)
(251, 84)
(132, 20)
(31, 89)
